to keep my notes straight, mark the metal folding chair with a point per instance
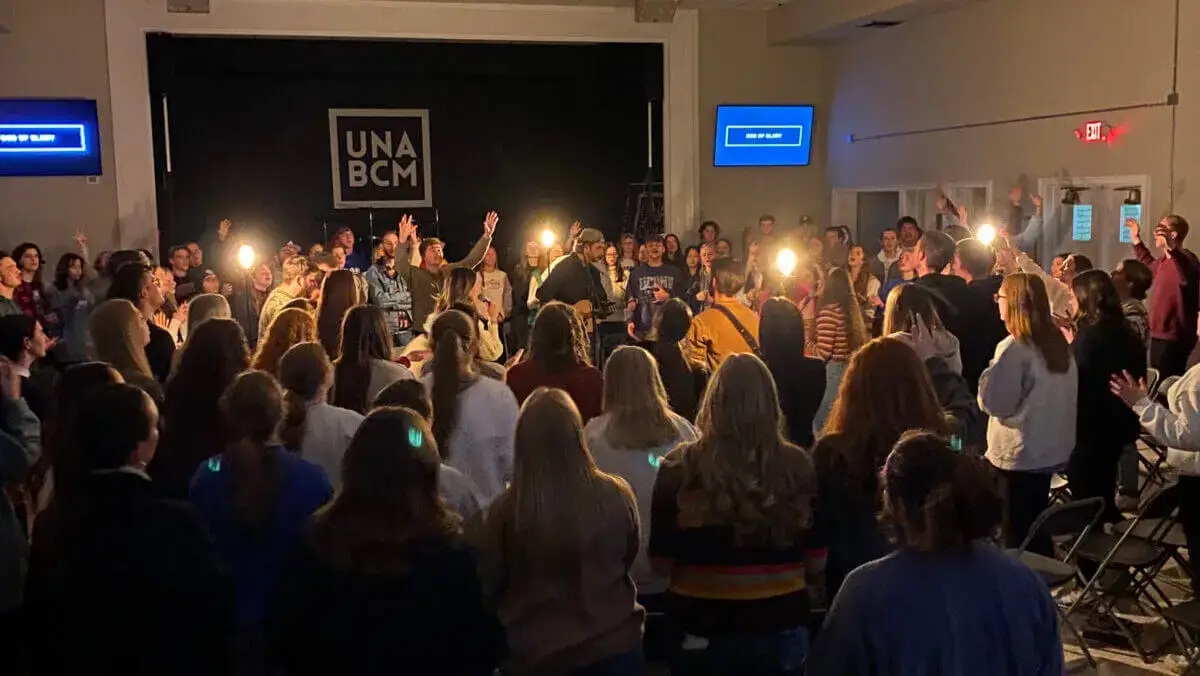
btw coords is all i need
(1132, 564)
(1067, 524)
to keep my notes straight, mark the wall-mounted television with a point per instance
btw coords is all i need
(49, 137)
(763, 136)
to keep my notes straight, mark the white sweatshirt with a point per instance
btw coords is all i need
(1178, 424)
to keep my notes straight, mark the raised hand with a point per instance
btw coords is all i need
(1130, 391)
(489, 223)
(407, 228)
(1135, 230)
(160, 320)
(1037, 201)
(81, 239)
(576, 228)
(223, 228)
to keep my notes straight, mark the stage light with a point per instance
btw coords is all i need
(986, 234)
(547, 238)
(245, 256)
(786, 262)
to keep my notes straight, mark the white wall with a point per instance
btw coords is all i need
(1011, 59)
(56, 48)
(737, 66)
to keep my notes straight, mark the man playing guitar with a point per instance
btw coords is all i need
(576, 280)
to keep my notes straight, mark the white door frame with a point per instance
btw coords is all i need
(845, 203)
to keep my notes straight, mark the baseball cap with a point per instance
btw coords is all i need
(590, 236)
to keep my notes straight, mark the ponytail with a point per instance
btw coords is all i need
(450, 330)
(256, 478)
(295, 415)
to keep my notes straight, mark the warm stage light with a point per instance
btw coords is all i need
(245, 256)
(547, 238)
(786, 262)
(985, 234)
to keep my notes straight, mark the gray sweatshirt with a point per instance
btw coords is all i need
(481, 444)
(1032, 424)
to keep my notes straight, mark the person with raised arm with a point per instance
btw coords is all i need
(427, 280)
(1174, 298)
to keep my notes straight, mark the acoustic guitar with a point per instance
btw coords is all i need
(584, 308)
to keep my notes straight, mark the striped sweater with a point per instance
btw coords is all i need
(833, 339)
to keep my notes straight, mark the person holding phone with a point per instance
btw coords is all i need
(650, 285)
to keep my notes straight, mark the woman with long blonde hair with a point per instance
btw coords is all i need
(630, 438)
(886, 392)
(119, 335)
(1030, 391)
(560, 544)
(290, 327)
(733, 511)
(388, 559)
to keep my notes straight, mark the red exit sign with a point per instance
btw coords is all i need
(1095, 131)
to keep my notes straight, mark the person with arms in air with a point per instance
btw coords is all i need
(426, 282)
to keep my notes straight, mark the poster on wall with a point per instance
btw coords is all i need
(1081, 223)
(1128, 211)
(380, 158)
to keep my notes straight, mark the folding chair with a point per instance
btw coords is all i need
(1133, 562)
(1067, 525)
(1060, 489)
(1155, 468)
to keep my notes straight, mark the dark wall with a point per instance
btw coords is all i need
(536, 132)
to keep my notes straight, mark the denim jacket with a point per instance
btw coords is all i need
(392, 295)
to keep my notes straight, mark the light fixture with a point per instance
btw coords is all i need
(547, 238)
(786, 262)
(1071, 194)
(245, 256)
(986, 234)
(1133, 194)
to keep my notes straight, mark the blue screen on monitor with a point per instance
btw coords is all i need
(49, 137)
(763, 136)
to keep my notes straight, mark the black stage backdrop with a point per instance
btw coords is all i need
(541, 133)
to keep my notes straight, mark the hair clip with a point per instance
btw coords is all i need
(415, 437)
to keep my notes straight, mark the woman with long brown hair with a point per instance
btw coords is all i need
(365, 366)
(339, 293)
(886, 392)
(630, 439)
(840, 331)
(559, 546)
(474, 418)
(387, 558)
(800, 379)
(558, 357)
(316, 430)
(733, 511)
(1030, 391)
(948, 596)
(462, 290)
(291, 326)
(119, 335)
(193, 426)
(255, 498)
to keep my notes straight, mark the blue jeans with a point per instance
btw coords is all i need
(834, 370)
(630, 663)
(781, 654)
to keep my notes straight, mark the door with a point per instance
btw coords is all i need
(876, 212)
(1093, 227)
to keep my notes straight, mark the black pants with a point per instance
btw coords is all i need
(1026, 495)
(1170, 357)
(1189, 517)
(1093, 474)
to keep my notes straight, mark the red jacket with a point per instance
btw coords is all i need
(585, 384)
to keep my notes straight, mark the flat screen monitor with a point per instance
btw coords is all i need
(763, 136)
(49, 137)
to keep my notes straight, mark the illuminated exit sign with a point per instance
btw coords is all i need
(1095, 131)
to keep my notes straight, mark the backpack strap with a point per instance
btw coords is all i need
(741, 328)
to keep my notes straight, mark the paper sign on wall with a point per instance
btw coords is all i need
(1128, 211)
(1081, 224)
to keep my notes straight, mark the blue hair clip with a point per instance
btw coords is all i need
(214, 464)
(415, 437)
(654, 460)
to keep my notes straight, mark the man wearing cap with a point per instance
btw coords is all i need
(426, 281)
(650, 285)
(576, 278)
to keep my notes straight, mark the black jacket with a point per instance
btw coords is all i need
(126, 583)
(964, 310)
(160, 352)
(572, 281)
(325, 621)
(989, 330)
(1101, 351)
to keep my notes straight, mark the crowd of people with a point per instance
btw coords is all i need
(366, 462)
